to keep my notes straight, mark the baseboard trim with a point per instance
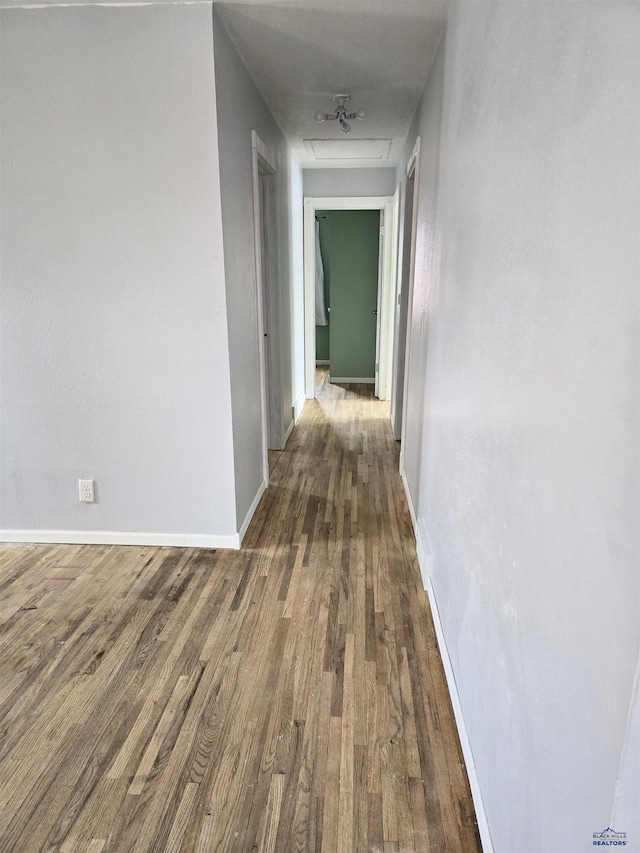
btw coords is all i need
(423, 549)
(298, 406)
(247, 519)
(108, 537)
(322, 362)
(425, 562)
(288, 432)
(352, 379)
(474, 784)
(296, 411)
(412, 511)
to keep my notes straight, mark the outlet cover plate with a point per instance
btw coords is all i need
(87, 491)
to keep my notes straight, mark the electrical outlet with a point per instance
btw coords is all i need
(87, 491)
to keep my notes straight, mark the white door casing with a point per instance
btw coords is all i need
(379, 304)
(386, 278)
(406, 271)
(264, 168)
(388, 296)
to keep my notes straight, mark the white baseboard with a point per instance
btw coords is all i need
(158, 540)
(352, 379)
(474, 784)
(322, 362)
(288, 432)
(296, 411)
(155, 540)
(425, 562)
(108, 537)
(407, 492)
(299, 405)
(423, 550)
(250, 513)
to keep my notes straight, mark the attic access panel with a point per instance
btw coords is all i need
(348, 149)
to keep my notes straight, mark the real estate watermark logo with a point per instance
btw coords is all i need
(609, 838)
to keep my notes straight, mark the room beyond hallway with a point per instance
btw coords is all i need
(350, 272)
(288, 696)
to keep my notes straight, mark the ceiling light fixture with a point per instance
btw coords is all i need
(341, 113)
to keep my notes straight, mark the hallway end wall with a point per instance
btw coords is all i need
(522, 448)
(344, 183)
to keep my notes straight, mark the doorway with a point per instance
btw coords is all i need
(382, 364)
(347, 328)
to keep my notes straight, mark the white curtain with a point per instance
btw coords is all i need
(321, 311)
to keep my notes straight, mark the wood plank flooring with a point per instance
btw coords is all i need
(285, 697)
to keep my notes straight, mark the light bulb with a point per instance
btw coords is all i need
(361, 114)
(320, 116)
(346, 127)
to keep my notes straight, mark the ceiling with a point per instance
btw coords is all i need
(301, 52)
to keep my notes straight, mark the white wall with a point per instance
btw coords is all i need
(114, 345)
(338, 183)
(522, 435)
(241, 109)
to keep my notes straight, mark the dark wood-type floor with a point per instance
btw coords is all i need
(285, 697)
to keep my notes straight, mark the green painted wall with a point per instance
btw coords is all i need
(322, 332)
(354, 292)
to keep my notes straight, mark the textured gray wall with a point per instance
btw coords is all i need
(338, 183)
(114, 342)
(522, 426)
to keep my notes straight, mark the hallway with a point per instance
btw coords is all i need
(289, 696)
(160, 690)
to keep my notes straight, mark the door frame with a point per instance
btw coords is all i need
(264, 163)
(388, 309)
(405, 297)
(386, 278)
